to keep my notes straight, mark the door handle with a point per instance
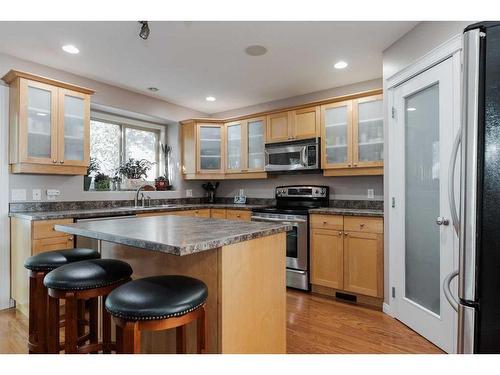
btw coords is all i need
(441, 220)
(447, 290)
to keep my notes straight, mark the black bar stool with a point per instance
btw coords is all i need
(83, 281)
(39, 265)
(158, 303)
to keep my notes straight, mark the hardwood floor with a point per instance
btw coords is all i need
(319, 324)
(315, 324)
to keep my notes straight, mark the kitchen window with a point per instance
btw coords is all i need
(114, 140)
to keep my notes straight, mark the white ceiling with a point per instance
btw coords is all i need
(188, 61)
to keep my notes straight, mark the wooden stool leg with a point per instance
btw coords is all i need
(70, 326)
(81, 317)
(180, 333)
(41, 314)
(119, 339)
(32, 312)
(106, 329)
(201, 328)
(131, 338)
(93, 321)
(53, 326)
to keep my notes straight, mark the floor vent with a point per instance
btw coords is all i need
(346, 297)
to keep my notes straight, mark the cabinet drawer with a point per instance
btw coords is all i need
(327, 222)
(363, 224)
(55, 243)
(238, 215)
(45, 228)
(218, 213)
(200, 213)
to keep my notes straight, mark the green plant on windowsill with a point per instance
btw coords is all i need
(101, 182)
(91, 170)
(134, 172)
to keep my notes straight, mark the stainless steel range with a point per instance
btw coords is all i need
(292, 207)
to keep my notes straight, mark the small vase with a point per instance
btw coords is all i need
(87, 180)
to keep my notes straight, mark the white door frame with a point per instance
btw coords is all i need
(4, 200)
(450, 49)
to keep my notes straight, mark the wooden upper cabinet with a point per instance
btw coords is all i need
(49, 125)
(210, 148)
(336, 135)
(278, 127)
(306, 122)
(234, 147)
(368, 131)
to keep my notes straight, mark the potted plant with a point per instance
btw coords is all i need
(91, 170)
(134, 171)
(101, 181)
(115, 182)
(161, 183)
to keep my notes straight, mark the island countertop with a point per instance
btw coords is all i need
(177, 235)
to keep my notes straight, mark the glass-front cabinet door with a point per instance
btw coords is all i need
(74, 121)
(368, 147)
(337, 134)
(210, 155)
(255, 133)
(234, 149)
(37, 122)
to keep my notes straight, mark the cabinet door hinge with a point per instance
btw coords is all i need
(393, 112)
(393, 292)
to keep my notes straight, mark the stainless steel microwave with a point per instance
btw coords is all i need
(293, 155)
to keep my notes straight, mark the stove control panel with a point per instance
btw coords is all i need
(302, 191)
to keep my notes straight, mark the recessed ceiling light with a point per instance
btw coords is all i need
(153, 89)
(256, 50)
(210, 99)
(340, 65)
(411, 109)
(70, 49)
(41, 114)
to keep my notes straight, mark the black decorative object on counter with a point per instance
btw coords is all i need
(211, 190)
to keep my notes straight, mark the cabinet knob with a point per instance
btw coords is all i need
(54, 161)
(349, 165)
(355, 164)
(324, 222)
(71, 238)
(61, 161)
(340, 233)
(346, 234)
(361, 225)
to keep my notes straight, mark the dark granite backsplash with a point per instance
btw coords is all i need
(90, 205)
(335, 203)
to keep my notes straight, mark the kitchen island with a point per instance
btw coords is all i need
(242, 263)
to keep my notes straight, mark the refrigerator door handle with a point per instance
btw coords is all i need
(447, 290)
(451, 183)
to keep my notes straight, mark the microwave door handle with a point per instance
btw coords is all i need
(304, 156)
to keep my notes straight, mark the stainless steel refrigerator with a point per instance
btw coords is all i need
(478, 222)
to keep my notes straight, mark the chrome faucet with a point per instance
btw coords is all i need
(139, 189)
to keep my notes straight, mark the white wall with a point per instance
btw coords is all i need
(112, 99)
(405, 51)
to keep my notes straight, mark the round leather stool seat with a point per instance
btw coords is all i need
(50, 260)
(88, 274)
(157, 297)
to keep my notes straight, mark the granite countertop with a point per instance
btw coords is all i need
(122, 211)
(177, 235)
(347, 211)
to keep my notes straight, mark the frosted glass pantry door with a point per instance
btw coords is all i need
(38, 122)
(422, 133)
(75, 125)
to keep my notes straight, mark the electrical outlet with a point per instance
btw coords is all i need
(370, 194)
(189, 193)
(53, 192)
(242, 192)
(18, 194)
(36, 194)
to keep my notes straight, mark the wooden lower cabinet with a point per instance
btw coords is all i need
(30, 238)
(345, 260)
(363, 263)
(327, 268)
(218, 213)
(243, 215)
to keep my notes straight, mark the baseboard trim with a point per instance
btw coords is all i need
(386, 308)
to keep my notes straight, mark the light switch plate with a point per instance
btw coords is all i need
(18, 194)
(189, 193)
(36, 194)
(370, 194)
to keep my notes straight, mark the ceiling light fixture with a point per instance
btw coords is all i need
(411, 109)
(144, 33)
(70, 49)
(340, 65)
(210, 99)
(41, 114)
(256, 50)
(153, 89)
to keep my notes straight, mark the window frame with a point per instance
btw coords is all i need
(129, 123)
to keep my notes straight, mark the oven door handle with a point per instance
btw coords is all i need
(284, 221)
